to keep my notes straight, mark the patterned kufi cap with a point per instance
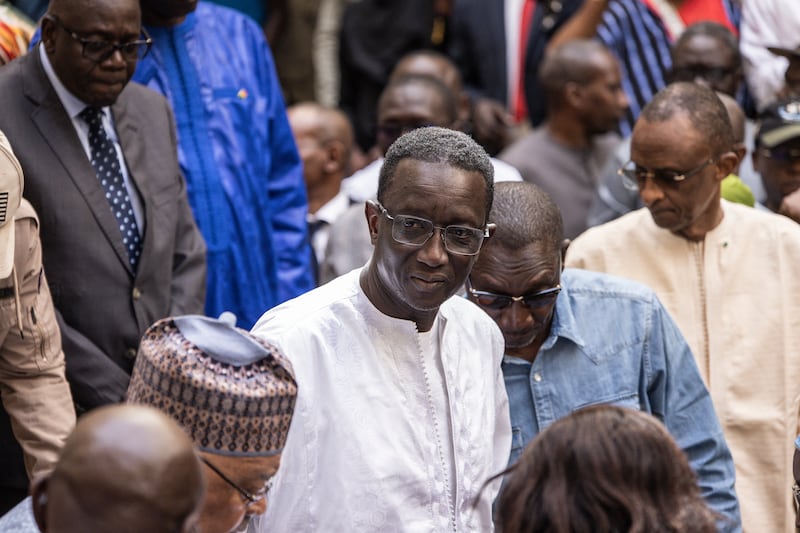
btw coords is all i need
(231, 391)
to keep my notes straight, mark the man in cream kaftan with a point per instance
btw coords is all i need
(732, 286)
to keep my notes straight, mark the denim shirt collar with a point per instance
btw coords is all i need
(564, 323)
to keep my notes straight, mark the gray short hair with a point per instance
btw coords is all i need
(438, 145)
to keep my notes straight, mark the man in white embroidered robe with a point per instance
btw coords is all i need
(402, 413)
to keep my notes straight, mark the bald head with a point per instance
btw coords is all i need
(324, 139)
(578, 61)
(429, 63)
(124, 468)
(702, 107)
(327, 123)
(735, 114)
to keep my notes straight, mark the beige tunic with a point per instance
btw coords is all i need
(736, 299)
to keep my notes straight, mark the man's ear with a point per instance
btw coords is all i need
(726, 164)
(39, 500)
(573, 94)
(335, 157)
(564, 245)
(373, 215)
(48, 29)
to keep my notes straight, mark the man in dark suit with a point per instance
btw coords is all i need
(121, 248)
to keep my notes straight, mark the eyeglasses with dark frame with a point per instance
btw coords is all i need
(99, 50)
(415, 231)
(634, 176)
(248, 496)
(498, 302)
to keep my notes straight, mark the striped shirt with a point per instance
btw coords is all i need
(639, 39)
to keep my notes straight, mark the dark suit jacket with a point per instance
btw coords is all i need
(478, 47)
(102, 307)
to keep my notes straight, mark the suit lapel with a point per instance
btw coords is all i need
(49, 116)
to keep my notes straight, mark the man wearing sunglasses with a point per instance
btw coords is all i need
(402, 414)
(575, 338)
(727, 275)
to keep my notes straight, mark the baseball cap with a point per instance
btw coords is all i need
(11, 183)
(779, 122)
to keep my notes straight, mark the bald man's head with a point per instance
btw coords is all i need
(124, 468)
(324, 139)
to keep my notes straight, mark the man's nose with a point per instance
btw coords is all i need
(518, 314)
(649, 191)
(433, 252)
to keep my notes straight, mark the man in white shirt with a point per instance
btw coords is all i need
(401, 414)
(324, 140)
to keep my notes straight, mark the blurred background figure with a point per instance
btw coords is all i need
(606, 469)
(498, 47)
(324, 139)
(568, 153)
(640, 33)
(374, 35)
(791, 76)
(243, 175)
(124, 469)
(766, 24)
(777, 156)
(16, 29)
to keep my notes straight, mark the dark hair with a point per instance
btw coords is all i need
(716, 31)
(606, 469)
(702, 106)
(438, 145)
(571, 62)
(524, 213)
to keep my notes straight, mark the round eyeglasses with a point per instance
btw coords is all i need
(415, 231)
(634, 176)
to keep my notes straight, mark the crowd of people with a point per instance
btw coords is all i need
(449, 265)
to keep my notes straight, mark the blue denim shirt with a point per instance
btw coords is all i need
(613, 342)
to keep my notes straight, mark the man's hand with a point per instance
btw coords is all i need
(790, 206)
(491, 125)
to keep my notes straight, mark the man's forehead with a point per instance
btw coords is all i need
(674, 131)
(700, 45)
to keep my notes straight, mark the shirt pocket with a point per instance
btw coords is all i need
(622, 399)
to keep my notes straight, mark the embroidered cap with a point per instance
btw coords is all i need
(11, 183)
(231, 391)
